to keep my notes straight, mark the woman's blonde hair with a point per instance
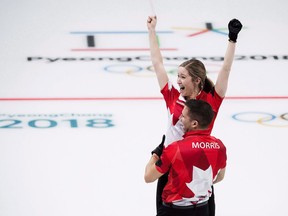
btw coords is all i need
(196, 69)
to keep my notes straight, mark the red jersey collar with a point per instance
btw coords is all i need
(200, 95)
(196, 132)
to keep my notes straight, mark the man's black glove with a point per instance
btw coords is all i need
(234, 27)
(159, 149)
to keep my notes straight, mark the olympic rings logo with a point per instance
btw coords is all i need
(135, 70)
(148, 71)
(263, 118)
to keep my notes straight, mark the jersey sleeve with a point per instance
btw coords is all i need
(166, 159)
(170, 95)
(223, 156)
(214, 100)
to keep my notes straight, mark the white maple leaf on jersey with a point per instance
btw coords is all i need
(201, 182)
(174, 132)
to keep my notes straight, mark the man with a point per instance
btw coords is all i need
(194, 164)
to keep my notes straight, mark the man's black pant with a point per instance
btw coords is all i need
(162, 181)
(194, 211)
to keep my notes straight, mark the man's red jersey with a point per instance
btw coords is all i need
(192, 163)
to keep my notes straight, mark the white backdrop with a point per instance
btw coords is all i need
(76, 122)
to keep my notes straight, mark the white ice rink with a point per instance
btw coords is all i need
(80, 108)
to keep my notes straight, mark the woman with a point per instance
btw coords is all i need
(193, 84)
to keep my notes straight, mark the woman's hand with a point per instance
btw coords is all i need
(151, 22)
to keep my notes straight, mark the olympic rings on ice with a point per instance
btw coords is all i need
(263, 118)
(148, 71)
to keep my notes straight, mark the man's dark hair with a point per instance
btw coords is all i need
(200, 111)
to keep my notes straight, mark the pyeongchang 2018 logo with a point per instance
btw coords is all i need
(127, 41)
